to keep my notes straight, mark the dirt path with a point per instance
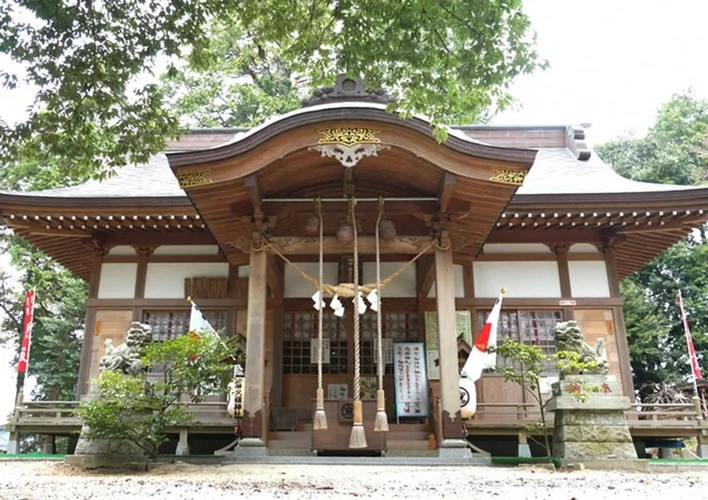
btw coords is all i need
(55, 480)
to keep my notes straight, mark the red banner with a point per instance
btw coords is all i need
(693, 359)
(26, 332)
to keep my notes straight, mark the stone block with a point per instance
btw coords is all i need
(594, 450)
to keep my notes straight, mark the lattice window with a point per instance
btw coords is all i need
(398, 326)
(300, 330)
(171, 324)
(528, 327)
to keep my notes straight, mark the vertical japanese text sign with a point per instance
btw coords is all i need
(411, 381)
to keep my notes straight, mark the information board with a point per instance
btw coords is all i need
(410, 379)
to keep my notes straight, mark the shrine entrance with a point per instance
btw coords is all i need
(258, 196)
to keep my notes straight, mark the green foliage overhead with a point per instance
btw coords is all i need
(235, 86)
(674, 151)
(141, 409)
(452, 61)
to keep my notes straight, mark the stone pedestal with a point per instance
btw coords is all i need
(592, 428)
(93, 453)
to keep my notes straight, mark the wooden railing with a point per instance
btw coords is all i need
(524, 413)
(64, 412)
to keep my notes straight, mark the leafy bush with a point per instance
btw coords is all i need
(140, 409)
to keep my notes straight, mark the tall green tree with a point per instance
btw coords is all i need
(60, 304)
(449, 60)
(674, 152)
(237, 85)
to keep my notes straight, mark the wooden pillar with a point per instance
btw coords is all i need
(253, 417)
(452, 425)
(618, 315)
(90, 321)
(561, 252)
(141, 278)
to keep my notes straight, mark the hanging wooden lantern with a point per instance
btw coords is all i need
(387, 229)
(312, 225)
(345, 233)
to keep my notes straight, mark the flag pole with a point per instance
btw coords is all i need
(692, 358)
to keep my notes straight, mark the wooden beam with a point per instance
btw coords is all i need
(154, 238)
(447, 187)
(425, 275)
(254, 191)
(367, 244)
(544, 236)
(392, 207)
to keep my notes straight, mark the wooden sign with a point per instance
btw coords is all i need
(411, 382)
(566, 303)
(314, 351)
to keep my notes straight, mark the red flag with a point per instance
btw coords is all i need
(26, 332)
(479, 358)
(693, 359)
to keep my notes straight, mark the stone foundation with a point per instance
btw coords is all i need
(594, 428)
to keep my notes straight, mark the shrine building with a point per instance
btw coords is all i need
(230, 218)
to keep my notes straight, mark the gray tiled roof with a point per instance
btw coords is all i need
(154, 180)
(558, 171)
(555, 171)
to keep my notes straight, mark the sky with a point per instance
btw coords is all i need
(612, 64)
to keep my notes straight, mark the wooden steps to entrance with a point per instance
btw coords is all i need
(401, 440)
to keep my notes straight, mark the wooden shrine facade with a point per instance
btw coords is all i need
(220, 215)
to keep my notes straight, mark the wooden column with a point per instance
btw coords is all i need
(252, 423)
(87, 343)
(561, 252)
(278, 325)
(449, 366)
(141, 278)
(618, 315)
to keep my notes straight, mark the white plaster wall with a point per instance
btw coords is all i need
(122, 250)
(516, 248)
(403, 286)
(186, 250)
(525, 279)
(458, 276)
(295, 285)
(583, 248)
(166, 281)
(117, 281)
(244, 271)
(588, 278)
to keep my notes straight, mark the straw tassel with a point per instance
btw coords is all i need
(357, 439)
(320, 422)
(381, 422)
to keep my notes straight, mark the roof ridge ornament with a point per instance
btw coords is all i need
(575, 140)
(346, 89)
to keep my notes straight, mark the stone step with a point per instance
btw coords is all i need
(407, 444)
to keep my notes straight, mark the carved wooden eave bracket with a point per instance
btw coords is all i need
(349, 145)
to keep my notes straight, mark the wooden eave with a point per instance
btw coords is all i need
(277, 162)
(639, 226)
(72, 232)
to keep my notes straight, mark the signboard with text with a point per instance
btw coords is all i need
(410, 378)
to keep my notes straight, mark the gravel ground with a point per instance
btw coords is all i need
(56, 480)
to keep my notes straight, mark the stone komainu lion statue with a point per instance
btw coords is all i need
(569, 338)
(126, 357)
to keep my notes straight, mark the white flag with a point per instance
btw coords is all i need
(197, 321)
